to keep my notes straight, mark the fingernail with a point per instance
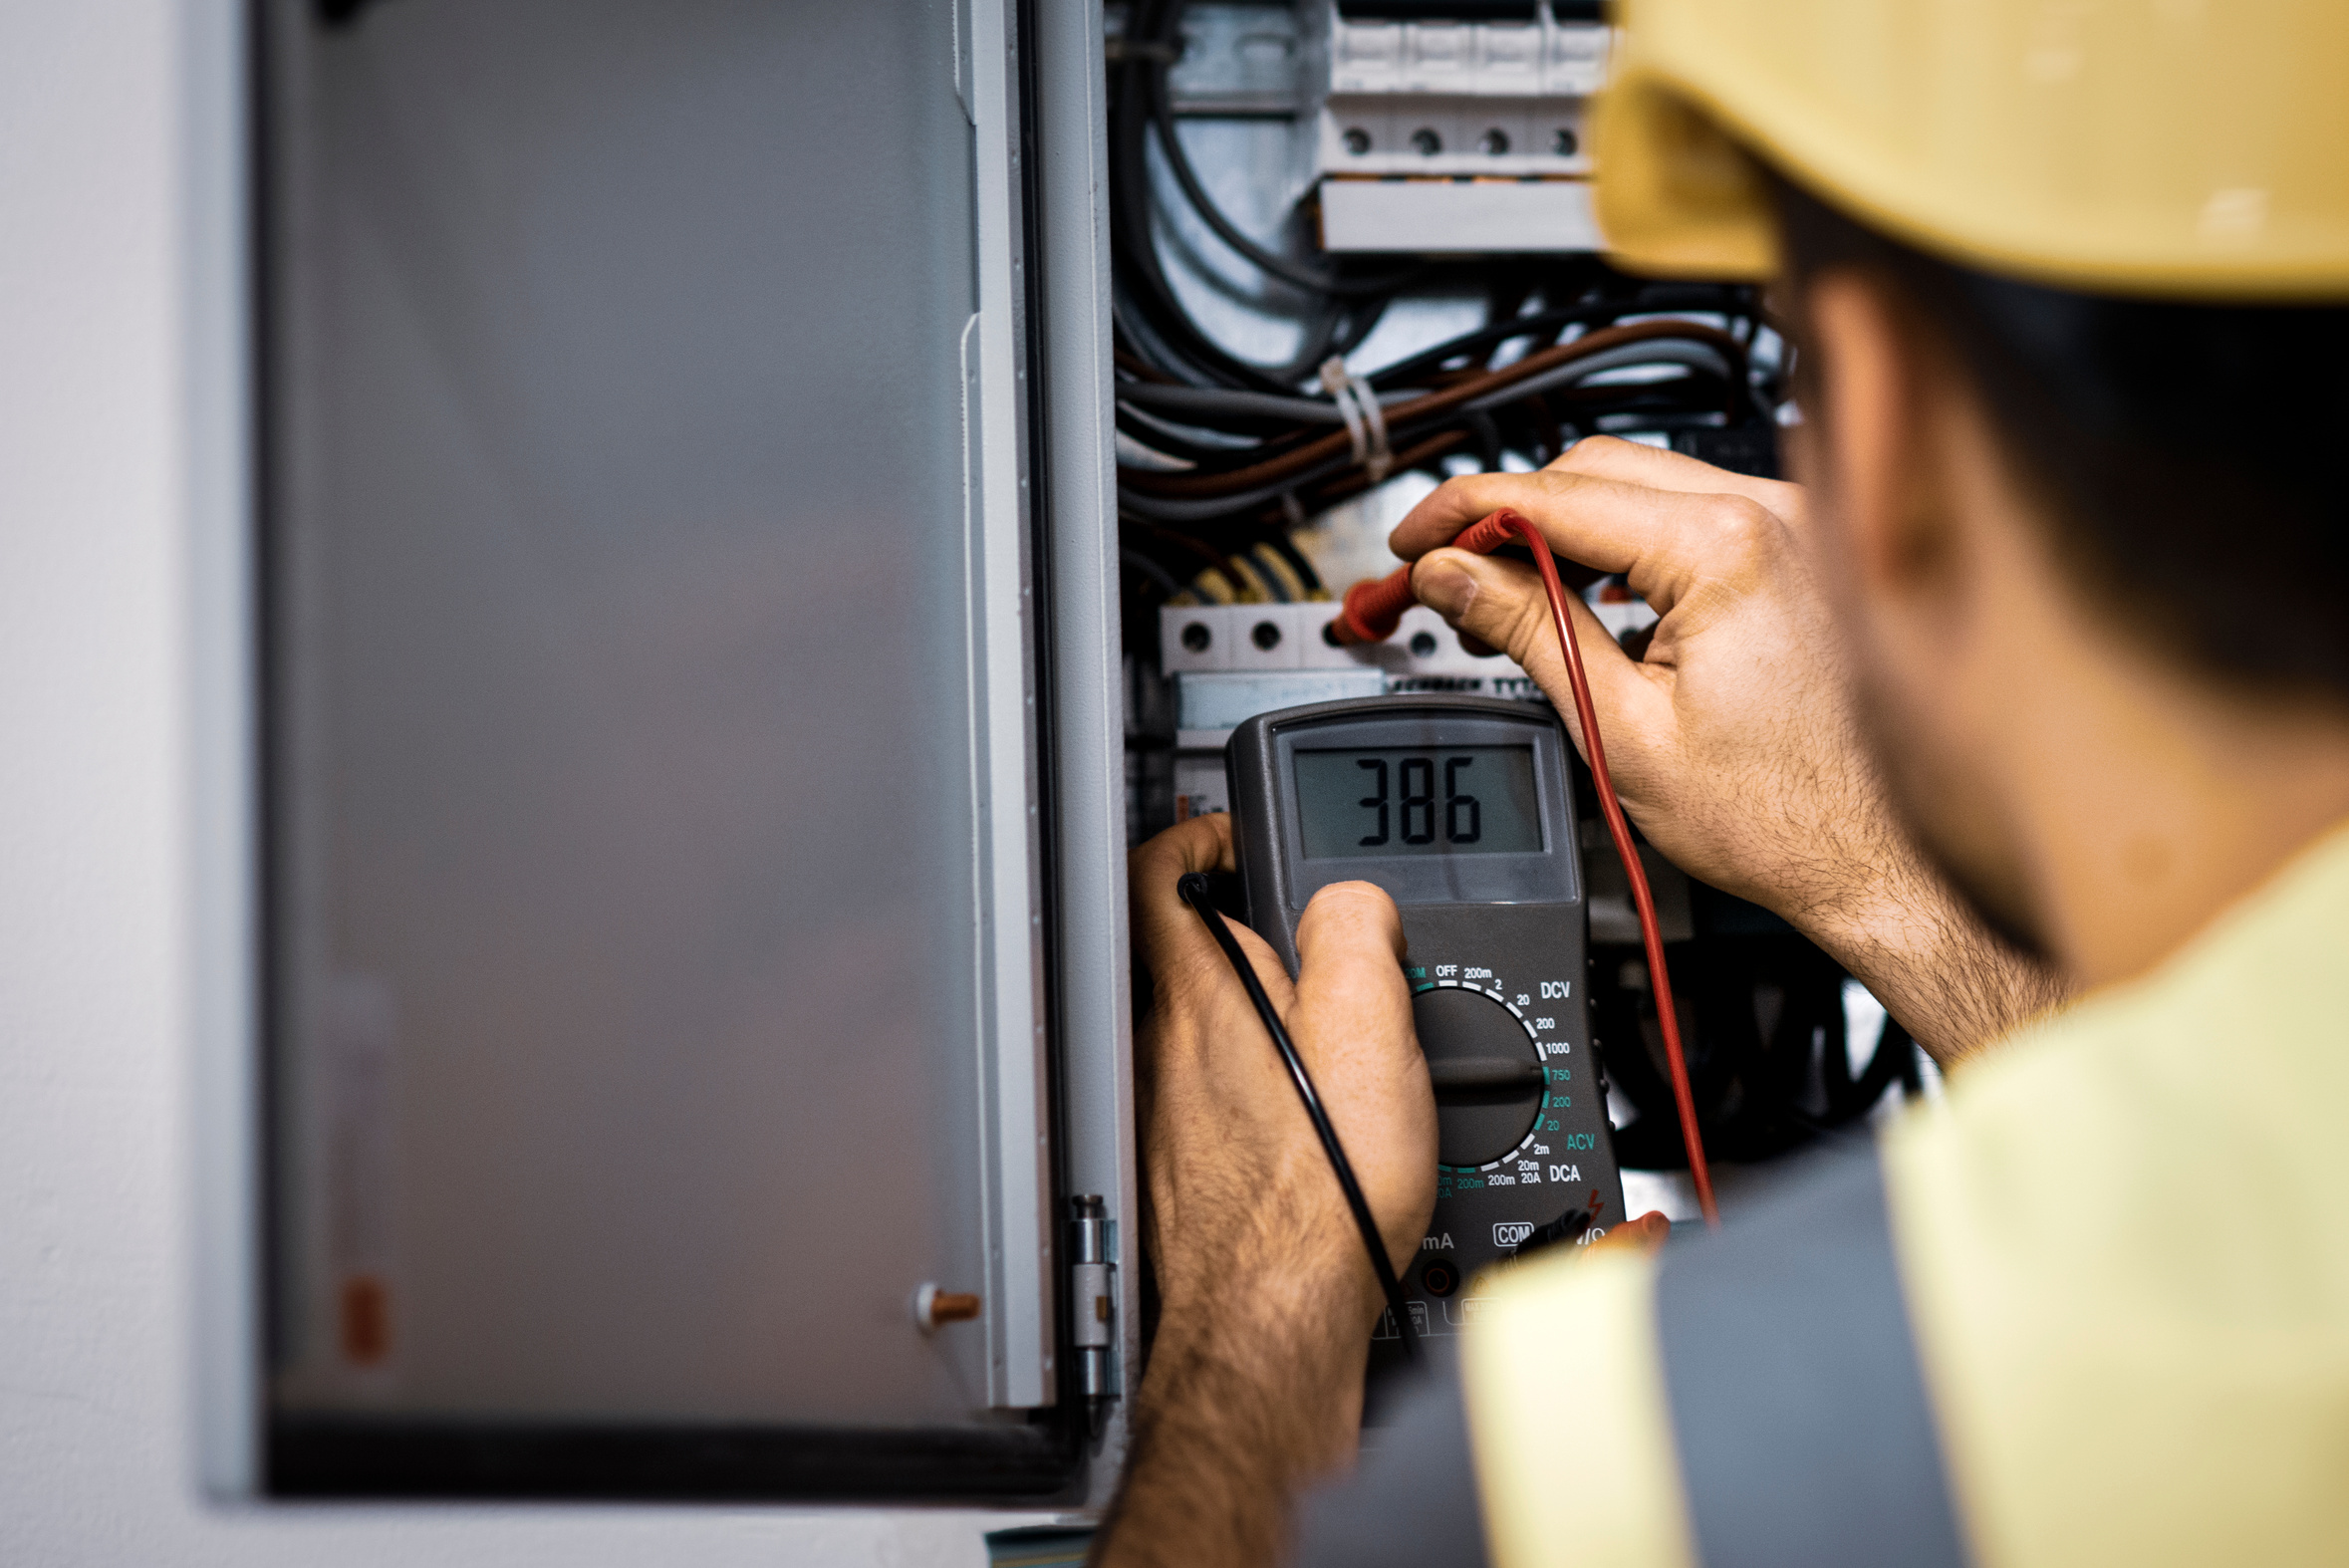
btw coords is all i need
(1446, 588)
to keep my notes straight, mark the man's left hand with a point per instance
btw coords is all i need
(1268, 1299)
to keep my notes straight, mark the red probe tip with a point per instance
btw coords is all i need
(1372, 608)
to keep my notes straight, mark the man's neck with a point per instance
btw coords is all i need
(2155, 801)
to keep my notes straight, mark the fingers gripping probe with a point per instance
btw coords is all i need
(1192, 887)
(1371, 613)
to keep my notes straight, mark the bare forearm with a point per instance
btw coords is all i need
(1254, 1384)
(1948, 979)
(1246, 1402)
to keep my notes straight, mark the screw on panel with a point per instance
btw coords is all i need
(1266, 636)
(1493, 142)
(934, 1308)
(1198, 637)
(1358, 141)
(1426, 142)
(1565, 144)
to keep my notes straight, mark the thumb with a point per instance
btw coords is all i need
(1353, 1024)
(1350, 951)
(1503, 602)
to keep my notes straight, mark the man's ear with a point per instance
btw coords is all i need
(1869, 445)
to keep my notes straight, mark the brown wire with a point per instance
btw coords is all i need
(1139, 368)
(1338, 442)
(1354, 481)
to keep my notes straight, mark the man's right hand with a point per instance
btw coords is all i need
(1734, 743)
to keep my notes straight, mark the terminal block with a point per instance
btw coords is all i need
(1231, 663)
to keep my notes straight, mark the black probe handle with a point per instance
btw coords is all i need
(1193, 889)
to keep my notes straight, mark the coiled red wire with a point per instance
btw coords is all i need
(1371, 613)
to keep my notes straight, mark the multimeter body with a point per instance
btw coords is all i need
(1460, 809)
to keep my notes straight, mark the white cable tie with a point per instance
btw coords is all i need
(1380, 461)
(1340, 387)
(1366, 420)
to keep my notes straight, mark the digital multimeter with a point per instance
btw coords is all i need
(1459, 808)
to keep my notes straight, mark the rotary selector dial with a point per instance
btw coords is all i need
(1489, 1072)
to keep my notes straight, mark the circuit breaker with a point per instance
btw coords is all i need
(1465, 121)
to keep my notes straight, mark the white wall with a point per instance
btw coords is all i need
(95, 1455)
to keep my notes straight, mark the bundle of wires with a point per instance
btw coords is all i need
(1220, 458)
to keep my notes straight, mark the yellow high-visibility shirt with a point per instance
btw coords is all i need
(2124, 1266)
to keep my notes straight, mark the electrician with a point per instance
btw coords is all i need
(2038, 683)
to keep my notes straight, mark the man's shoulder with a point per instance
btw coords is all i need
(2200, 1100)
(2109, 1260)
(2118, 1234)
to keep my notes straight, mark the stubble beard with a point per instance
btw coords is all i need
(1947, 817)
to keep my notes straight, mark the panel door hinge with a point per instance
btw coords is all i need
(1092, 1302)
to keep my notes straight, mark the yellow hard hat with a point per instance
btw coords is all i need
(2189, 149)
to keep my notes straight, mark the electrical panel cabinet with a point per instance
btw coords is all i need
(747, 510)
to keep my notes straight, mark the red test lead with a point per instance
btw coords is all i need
(1372, 611)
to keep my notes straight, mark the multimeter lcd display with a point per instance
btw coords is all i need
(1419, 799)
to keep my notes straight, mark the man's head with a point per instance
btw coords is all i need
(2013, 478)
(2070, 290)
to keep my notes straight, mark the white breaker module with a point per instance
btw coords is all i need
(1457, 127)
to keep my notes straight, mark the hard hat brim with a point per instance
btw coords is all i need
(2112, 160)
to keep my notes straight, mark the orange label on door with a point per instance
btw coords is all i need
(365, 1320)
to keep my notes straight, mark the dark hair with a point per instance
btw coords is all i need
(2193, 457)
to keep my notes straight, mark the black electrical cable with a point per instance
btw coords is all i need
(1234, 455)
(1287, 549)
(1432, 360)
(1147, 310)
(1135, 561)
(1177, 510)
(1653, 300)
(1210, 558)
(1316, 333)
(1409, 419)
(1179, 401)
(1263, 566)
(1134, 251)
(1216, 431)
(1210, 445)
(1192, 887)
(1267, 261)
(1484, 430)
(1363, 319)
(1538, 423)
(1132, 335)
(1158, 63)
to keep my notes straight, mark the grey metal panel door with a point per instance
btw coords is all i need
(652, 971)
